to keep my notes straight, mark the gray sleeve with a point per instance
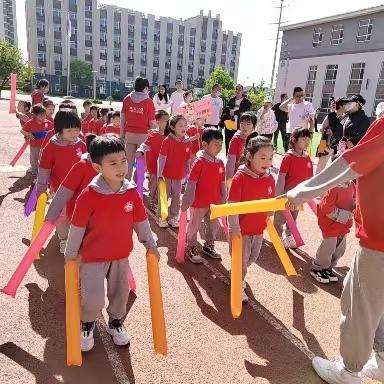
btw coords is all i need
(42, 180)
(223, 189)
(122, 125)
(338, 172)
(143, 148)
(280, 184)
(160, 165)
(233, 222)
(230, 166)
(152, 124)
(75, 238)
(341, 215)
(189, 195)
(61, 198)
(144, 234)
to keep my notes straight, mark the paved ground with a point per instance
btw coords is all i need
(286, 323)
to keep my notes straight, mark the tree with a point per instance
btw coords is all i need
(81, 73)
(256, 98)
(222, 77)
(12, 61)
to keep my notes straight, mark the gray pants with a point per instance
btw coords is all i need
(362, 309)
(251, 250)
(280, 224)
(330, 251)
(211, 226)
(92, 277)
(34, 155)
(152, 186)
(132, 142)
(173, 193)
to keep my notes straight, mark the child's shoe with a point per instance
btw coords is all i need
(209, 250)
(87, 341)
(153, 207)
(193, 255)
(63, 244)
(289, 242)
(321, 276)
(162, 223)
(173, 222)
(374, 368)
(118, 332)
(331, 275)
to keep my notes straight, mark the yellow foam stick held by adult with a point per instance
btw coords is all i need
(266, 205)
(280, 250)
(156, 302)
(39, 216)
(72, 313)
(236, 275)
(163, 200)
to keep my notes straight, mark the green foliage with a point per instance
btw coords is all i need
(116, 95)
(256, 98)
(81, 73)
(222, 77)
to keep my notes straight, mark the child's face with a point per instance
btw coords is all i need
(302, 143)
(104, 117)
(21, 107)
(261, 160)
(70, 134)
(41, 116)
(162, 123)
(94, 113)
(113, 167)
(189, 98)
(199, 122)
(246, 127)
(87, 108)
(181, 128)
(116, 121)
(45, 89)
(50, 109)
(213, 148)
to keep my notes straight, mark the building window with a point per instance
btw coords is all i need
(337, 34)
(317, 37)
(117, 24)
(74, 88)
(57, 43)
(364, 30)
(309, 96)
(56, 13)
(103, 22)
(117, 39)
(73, 44)
(357, 73)
(58, 87)
(117, 68)
(378, 99)
(131, 28)
(130, 68)
(130, 55)
(325, 102)
(331, 74)
(88, 23)
(167, 73)
(143, 57)
(57, 57)
(381, 75)
(40, 11)
(72, 15)
(156, 45)
(41, 28)
(41, 56)
(117, 54)
(57, 27)
(144, 29)
(312, 72)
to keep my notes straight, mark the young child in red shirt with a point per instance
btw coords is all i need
(252, 181)
(334, 214)
(35, 130)
(50, 109)
(295, 168)
(102, 246)
(58, 156)
(151, 149)
(42, 87)
(102, 115)
(113, 125)
(89, 128)
(137, 118)
(173, 165)
(248, 123)
(195, 132)
(206, 186)
(24, 112)
(86, 116)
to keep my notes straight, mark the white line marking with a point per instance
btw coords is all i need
(255, 306)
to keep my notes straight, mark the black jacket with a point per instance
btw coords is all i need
(336, 126)
(355, 126)
(244, 106)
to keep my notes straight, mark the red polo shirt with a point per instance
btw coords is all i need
(104, 240)
(297, 169)
(196, 144)
(85, 124)
(236, 147)
(98, 127)
(110, 128)
(154, 142)
(37, 97)
(35, 126)
(138, 115)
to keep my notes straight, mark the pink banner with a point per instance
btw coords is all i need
(201, 108)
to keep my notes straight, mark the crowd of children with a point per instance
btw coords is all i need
(87, 165)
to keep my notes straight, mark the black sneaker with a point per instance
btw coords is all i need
(209, 250)
(320, 276)
(193, 255)
(331, 275)
(118, 332)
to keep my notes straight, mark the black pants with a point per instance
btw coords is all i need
(228, 136)
(268, 135)
(282, 128)
(211, 125)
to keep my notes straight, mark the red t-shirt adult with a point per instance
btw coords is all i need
(37, 97)
(37, 127)
(296, 168)
(110, 128)
(178, 154)
(138, 115)
(196, 144)
(236, 147)
(244, 188)
(85, 124)
(60, 159)
(338, 197)
(209, 177)
(104, 240)
(154, 142)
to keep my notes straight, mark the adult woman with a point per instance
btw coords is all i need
(266, 120)
(161, 99)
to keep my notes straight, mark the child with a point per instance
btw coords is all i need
(173, 164)
(194, 132)
(252, 181)
(248, 123)
(24, 111)
(37, 95)
(58, 156)
(188, 98)
(50, 109)
(206, 185)
(92, 120)
(98, 125)
(86, 105)
(334, 214)
(35, 131)
(151, 149)
(295, 168)
(104, 246)
(114, 124)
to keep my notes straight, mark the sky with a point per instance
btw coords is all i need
(253, 18)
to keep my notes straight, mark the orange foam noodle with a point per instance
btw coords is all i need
(236, 276)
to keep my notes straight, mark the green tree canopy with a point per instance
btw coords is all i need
(222, 77)
(81, 73)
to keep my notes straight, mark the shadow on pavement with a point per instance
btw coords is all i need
(20, 184)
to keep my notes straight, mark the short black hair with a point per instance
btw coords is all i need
(102, 146)
(37, 109)
(115, 114)
(66, 105)
(248, 116)
(42, 83)
(297, 89)
(296, 134)
(93, 108)
(210, 134)
(340, 102)
(103, 111)
(178, 82)
(66, 118)
(282, 96)
(187, 93)
(48, 102)
(251, 136)
(141, 83)
(216, 85)
(160, 113)
(89, 137)
(87, 102)
(27, 105)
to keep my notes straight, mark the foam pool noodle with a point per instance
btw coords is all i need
(140, 174)
(39, 216)
(236, 276)
(163, 200)
(19, 153)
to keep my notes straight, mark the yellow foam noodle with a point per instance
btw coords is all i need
(252, 206)
(163, 200)
(39, 216)
(230, 124)
(280, 250)
(236, 276)
(72, 313)
(156, 303)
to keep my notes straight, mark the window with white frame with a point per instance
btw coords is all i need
(156, 45)
(312, 72)
(57, 57)
(117, 39)
(103, 51)
(156, 71)
(381, 75)
(88, 8)
(309, 96)
(58, 87)
(379, 98)
(317, 37)
(130, 55)
(181, 50)
(41, 27)
(41, 56)
(72, 15)
(117, 68)
(167, 73)
(117, 24)
(325, 102)
(357, 73)
(330, 73)
(144, 56)
(130, 68)
(103, 22)
(103, 36)
(364, 30)
(88, 51)
(56, 13)
(73, 45)
(337, 34)
(144, 29)
(40, 11)
(117, 53)
(57, 43)
(88, 37)
(143, 72)
(74, 88)
(131, 28)
(88, 23)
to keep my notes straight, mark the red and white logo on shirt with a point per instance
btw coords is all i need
(128, 207)
(309, 164)
(187, 149)
(46, 125)
(136, 110)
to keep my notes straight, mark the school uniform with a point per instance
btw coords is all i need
(235, 152)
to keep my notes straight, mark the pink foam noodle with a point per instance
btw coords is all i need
(31, 203)
(183, 219)
(131, 280)
(293, 228)
(140, 174)
(224, 224)
(19, 153)
(28, 259)
(12, 100)
(313, 206)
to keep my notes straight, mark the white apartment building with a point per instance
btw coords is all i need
(121, 44)
(8, 25)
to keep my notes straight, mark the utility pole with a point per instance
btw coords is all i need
(277, 42)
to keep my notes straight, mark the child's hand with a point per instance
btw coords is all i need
(28, 135)
(349, 144)
(155, 252)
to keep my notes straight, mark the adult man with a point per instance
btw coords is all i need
(213, 119)
(282, 119)
(177, 97)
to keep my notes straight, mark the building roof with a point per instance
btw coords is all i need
(330, 19)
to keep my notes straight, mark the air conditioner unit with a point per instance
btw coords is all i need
(128, 83)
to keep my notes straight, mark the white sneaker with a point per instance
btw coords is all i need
(173, 222)
(118, 332)
(87, 341)
(333, 372)
(289, 242)
(162, 223)
(244, 296)
(374, 368)
(63, 244)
